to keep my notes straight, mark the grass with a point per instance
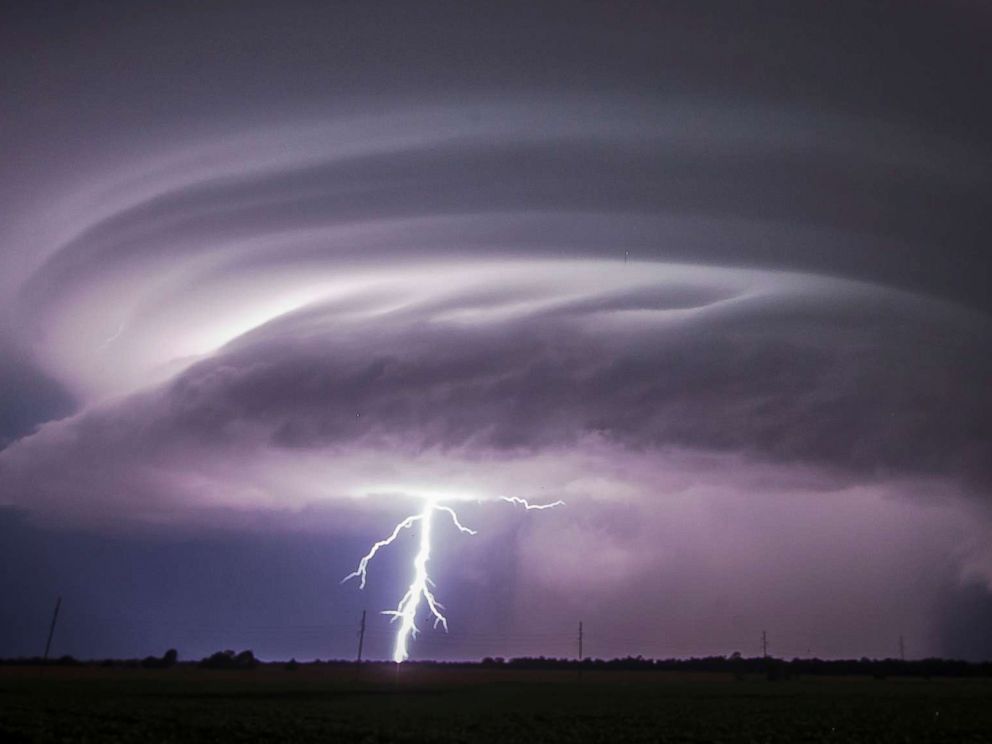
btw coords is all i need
(445, 704)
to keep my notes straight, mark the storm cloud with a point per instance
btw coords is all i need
(690, 279)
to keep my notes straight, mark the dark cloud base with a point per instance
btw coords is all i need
(879, 387)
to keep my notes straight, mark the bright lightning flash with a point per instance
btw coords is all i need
(527, 505)
(420, 587)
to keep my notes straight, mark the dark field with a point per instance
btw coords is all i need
(328, 704)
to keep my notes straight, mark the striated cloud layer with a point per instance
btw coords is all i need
(739, 324)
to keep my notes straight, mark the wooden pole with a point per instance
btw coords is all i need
(51, 630)
(580, 649)
(361, 637)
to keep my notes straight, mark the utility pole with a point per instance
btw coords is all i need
(902, 648)
(361, 637)
(51, 630)
(764, 644)
(580, 649)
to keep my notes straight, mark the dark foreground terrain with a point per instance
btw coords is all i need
(323, 703)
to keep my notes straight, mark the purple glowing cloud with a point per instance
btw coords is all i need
(708, 327)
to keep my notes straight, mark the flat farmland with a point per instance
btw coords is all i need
(327, 703)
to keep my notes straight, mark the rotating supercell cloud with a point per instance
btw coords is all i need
(276, 281)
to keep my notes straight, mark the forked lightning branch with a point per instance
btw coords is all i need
(421, 585)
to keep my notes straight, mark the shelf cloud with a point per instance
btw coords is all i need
(660, 291)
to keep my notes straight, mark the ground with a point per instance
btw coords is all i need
(323, 703)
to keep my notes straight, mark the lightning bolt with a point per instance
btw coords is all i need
(527, 505)
(363, 564)
(107, 342)
(420, 586)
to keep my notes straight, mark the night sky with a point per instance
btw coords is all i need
(715, 274)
